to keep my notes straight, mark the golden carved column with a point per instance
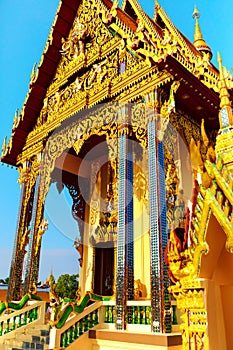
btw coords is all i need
(190, 295)
(38, 225)
(28, 173)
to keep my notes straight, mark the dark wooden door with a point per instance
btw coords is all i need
(104, 271)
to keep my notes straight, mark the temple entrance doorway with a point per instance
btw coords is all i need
(104, 270)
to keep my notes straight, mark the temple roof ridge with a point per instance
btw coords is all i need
(141, 15)
(174, 30)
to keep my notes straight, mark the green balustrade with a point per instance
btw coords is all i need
(96, 317)
(148, 314)
(19, 321)
(85, 324)
(110, 314)
(70, 335)
(76, 331)
(106, 314)
(25, 318)
(174, 316)
(80, 327)
(31, 316)
(64, 340)
(133, 315)
(35, 313)
(7, 326)
(92, 322)
(143, 314)
(138, 315)
(13, 323)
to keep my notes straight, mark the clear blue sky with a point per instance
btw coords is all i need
(25, 25)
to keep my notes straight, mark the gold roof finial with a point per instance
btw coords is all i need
(199, 42)
(225, 114)
(224, 145)
(156, 8)
(197, 33)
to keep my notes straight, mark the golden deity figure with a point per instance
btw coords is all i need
(75, 45)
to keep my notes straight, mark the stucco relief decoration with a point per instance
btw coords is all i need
(75, 44)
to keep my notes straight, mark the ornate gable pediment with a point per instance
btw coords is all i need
(87, 36)
(92, 59)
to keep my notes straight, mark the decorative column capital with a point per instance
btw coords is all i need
(152, 104)
(124, 120)
(23, 174)
(29, 170)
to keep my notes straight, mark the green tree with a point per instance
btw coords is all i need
(4, 281)
(67, 286)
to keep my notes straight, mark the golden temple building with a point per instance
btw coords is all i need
(136, 123)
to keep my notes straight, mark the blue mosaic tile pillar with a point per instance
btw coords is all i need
(158, 222)
(166, 301)
(121, 236)
(130, 223)
(156, 287)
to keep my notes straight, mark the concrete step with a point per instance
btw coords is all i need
(13, 344)
(23, 337)
(35, 346)
(4, 347)
(36, 338)
(40, 327)
(39, 330)
(109, 339)
(29, 338)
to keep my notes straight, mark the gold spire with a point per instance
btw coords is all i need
(225, 114)
(156, 8)
(224, 145)
(199, 42)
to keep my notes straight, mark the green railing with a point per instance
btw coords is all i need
(75, 326)
(15, 320)
(64, 310)
(174, 314)
(110, 313)
(100, 312)
(136, 314)
(79, 328)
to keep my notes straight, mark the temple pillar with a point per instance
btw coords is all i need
(123, 219)
(160, 301)
(38, 225)
(112, 143)
(28, 173)
(130, 222)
